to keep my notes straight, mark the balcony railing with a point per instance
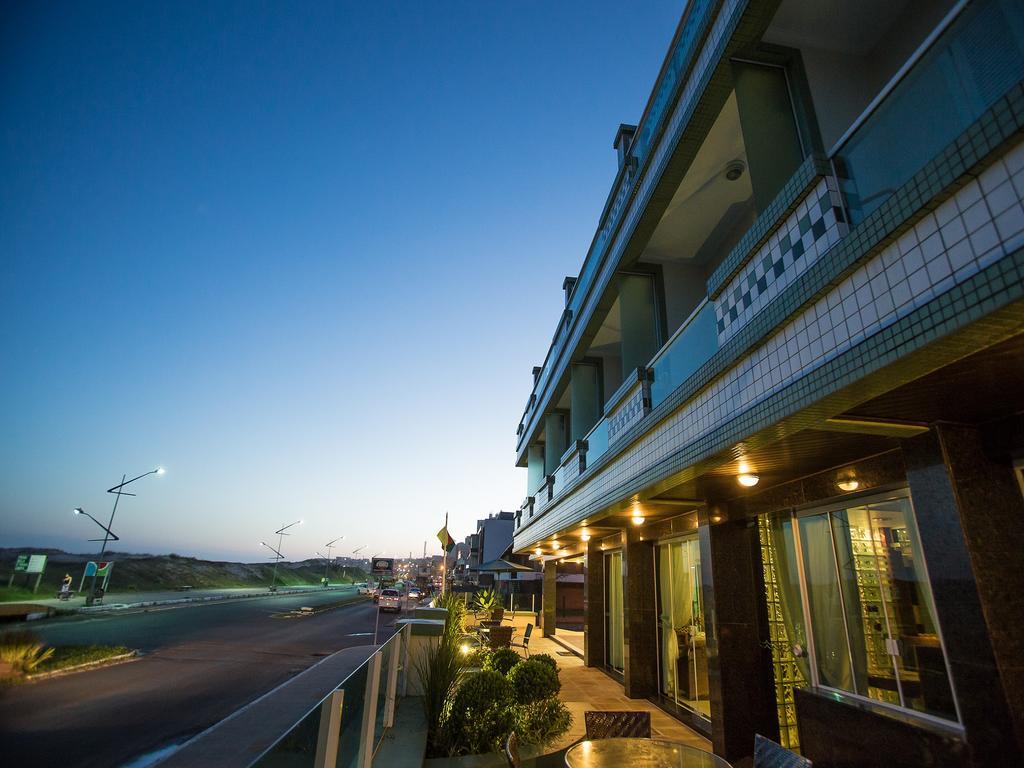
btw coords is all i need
(345, 728)
(969, 62)
(692, 29)
(688, 349)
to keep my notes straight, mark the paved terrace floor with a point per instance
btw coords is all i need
(586, 688)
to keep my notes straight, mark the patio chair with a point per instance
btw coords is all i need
(512, 751)
(610, 725)
(768, 754)
(525, 645)
(499, 637)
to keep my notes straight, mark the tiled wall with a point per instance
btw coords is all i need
(978, 225)
(633, 407)
(816, 225)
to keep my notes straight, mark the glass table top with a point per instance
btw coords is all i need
(640, 753)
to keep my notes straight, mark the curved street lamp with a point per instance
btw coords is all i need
(108, 535)
(277, 552)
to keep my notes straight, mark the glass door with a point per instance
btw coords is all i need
(683, 643)
(614, 612)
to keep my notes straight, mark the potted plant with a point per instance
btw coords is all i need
(488, 603)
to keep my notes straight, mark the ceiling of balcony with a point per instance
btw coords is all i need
(836, 25)
(708, 206)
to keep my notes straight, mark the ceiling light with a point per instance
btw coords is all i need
(584, 535)
(848, 485)
(748, 480)
(638, 519)
(555, 545)
(538, 551)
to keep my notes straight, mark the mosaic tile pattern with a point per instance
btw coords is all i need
(975, 228)
(816, 225)
(630, 411)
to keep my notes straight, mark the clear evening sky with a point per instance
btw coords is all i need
(302, 255)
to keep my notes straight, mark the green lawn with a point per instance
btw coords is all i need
(65, 656)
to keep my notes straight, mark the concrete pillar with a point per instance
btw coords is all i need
(534, 468)
(740, 682)
(548, 603)
(584, 398)
(769, 128)
(593, 596)
(556, 440)
(639, 319)
(969, 512)
(640, 671)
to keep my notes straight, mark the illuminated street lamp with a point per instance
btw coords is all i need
(278, 557)
(108, 535)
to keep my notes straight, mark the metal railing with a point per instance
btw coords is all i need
(345, 728)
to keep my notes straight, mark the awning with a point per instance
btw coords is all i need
(500, 565)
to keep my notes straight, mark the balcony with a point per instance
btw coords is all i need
(676, 72)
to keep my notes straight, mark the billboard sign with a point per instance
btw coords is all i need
(383, 564)
(21, 564)
(36, 564)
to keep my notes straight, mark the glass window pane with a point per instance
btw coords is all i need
(921, 662)
(824, 599)
(875, 675)
(615, 611)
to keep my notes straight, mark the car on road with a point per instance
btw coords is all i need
(363, 589)
(390, 600)
(415, 594)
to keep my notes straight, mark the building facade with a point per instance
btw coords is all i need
(780, 421)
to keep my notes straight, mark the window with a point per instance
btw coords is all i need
(855, 577)
(615, 612)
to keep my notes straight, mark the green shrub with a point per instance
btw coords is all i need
(487, 600)
(545, 658)
(502, 660)
(542, 722)
(439, 670)
(23, 650)
(456, 606)
(532, 681)
(481, 715)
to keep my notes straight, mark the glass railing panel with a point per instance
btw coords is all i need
(692, 346)
(597, 442)
(352, 717)
(297, 748)
(382, 690)
(973, 63)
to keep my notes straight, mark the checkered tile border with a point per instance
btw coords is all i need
(631, 411)
(815, 226)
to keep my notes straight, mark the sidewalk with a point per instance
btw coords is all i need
(125, 600)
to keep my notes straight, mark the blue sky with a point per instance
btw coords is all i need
(302, 255)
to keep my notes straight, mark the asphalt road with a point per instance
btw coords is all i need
(201, 663)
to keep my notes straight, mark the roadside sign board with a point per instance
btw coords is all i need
(36, 564)
(383, 564)
(21, 564)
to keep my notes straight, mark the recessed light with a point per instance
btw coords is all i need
(748, 480)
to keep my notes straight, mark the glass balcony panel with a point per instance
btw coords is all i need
(693, 345)
(973, 63)
(597, 442)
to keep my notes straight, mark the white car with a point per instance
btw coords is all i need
(363, 589)
(390, 600)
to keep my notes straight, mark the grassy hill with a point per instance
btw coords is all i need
(139, 573)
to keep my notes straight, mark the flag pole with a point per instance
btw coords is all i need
(444, 558)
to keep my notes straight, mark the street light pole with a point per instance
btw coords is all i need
(327, 565)
(118, 492)
(280, 542)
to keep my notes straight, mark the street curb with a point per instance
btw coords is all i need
(107, 662)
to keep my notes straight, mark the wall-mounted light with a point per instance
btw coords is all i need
(748, 480)
(848, 484)
(638, 519)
